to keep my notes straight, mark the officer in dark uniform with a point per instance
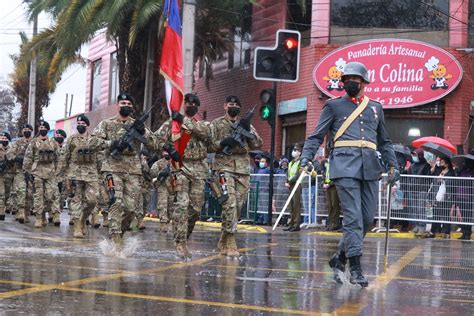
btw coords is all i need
(355, 167)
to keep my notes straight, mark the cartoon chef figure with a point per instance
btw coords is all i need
(334, 76)
(438, 73)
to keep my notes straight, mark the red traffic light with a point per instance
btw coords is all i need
(290, 43)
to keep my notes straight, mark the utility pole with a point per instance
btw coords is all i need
(70, 106)
(272, 157)
(65, 106)
(32, 89)
(189, 16)
(150, 65)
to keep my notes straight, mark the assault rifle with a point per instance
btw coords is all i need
(126, 141)
(241, 132)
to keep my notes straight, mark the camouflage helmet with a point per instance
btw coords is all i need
(356, 69)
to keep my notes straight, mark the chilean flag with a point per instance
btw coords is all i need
(171, 63)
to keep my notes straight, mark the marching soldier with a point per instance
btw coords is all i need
(161, 173)
(60, 136)
(6, 176)
(80, 169)
(102, 206)
(22, 193)
(40, 165)
(191, 170)
(358, 129)
(231, 170)
(121, 166)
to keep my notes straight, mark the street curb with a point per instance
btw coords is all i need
(393, 235)
(218, 225)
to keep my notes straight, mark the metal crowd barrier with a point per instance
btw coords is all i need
(413, 200)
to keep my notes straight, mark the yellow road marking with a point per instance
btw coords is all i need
(48, 287)
(194, 302)
(380, 282)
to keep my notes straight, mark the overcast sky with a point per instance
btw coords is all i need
(13, 19)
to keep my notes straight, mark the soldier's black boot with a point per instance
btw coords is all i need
(338, 264)
(356, 272)
(2, 217)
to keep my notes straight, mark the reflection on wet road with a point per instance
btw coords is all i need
(47, 271)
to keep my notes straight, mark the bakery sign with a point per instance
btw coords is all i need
(403, 73)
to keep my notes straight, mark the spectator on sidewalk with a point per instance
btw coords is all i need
(417, 190)
(332, 199)
(465, 197)
(295, 203)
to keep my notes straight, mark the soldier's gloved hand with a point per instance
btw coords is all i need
(393, 175)
(164, 174)
(140, 128)
(19, 159)
(152, 160)
(118, 145)
(176, 116)
(307, 165)
(29, 177)
(228, 142)
(172, 152)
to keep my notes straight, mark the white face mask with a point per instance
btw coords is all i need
(415, 159)
(295, 153)
(438, 163)
(262, 165)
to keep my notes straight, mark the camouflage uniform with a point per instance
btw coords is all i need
(190, 178)
(146, 187)
(236, 173)
(61, 179)
(80, 166)
(21, 203)
(102, 205)
(6, 181)
(41, 160)
(164, 190)
(126, 173)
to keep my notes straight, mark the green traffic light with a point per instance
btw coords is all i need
(265, 112)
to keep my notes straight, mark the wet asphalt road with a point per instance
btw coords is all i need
(46, 271)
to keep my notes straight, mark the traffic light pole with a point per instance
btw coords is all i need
(272, 157)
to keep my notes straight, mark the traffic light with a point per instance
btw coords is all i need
(281, 62)
(268, 108)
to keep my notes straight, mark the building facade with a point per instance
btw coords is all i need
(326, 26)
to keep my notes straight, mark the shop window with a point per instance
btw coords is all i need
(114, 85)
(95, 84)
(471, 23)
(299, 18)
(353, 20)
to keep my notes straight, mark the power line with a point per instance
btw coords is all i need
(14, 9)
(444, 13)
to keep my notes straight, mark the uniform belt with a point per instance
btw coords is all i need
(355, 143)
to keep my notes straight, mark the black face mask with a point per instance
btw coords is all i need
(43, 132)
(167, 157)
(4, 143)
(191, 110)
(27, 134)
(233, 111)
(60, 140)
(125, 110)
(81, 129)
(352, 88)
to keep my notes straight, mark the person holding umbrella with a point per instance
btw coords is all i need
(442, 191)
(465, 192)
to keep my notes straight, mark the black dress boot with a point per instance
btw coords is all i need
(356, 272)
(338, 264)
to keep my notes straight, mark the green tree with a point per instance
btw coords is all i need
(129, 23)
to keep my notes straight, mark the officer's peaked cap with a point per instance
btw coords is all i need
(27, 126)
